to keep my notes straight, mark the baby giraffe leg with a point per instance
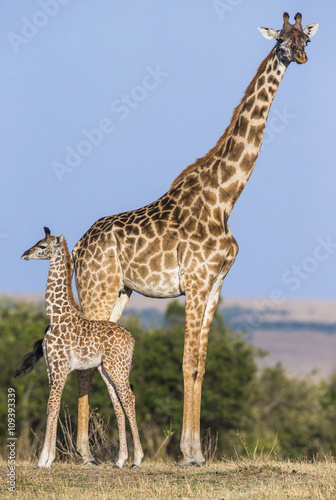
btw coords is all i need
(120, 381)
(128, 402)
(49, 447)
(84, 379)
(123, 452)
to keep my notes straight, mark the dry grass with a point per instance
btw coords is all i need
(253, 479)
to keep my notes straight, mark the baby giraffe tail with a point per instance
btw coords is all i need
(30, 359)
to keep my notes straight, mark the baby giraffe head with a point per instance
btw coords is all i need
(44, 249)
(291, 40)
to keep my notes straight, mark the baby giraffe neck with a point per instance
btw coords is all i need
(59, 296)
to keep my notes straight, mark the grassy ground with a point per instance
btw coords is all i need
(158, 480)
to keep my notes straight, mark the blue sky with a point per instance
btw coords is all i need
(104, 103)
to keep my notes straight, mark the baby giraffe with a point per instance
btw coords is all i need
(74, 343)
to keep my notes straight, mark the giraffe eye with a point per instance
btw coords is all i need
(42, 247)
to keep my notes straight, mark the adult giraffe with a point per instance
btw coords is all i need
(181, 244)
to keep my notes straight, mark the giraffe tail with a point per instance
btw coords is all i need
(30, 359)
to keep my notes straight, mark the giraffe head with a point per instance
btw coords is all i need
(291, 40)
(44, 249)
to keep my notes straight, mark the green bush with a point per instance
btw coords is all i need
(235, 396)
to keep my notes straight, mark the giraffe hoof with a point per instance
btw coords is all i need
(135, 466)
(190, 464)
(92, 463)
(202, 464)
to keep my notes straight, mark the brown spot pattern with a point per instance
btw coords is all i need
(74, 342)
(181, 244)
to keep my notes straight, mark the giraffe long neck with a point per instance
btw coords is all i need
(228, 166)
(59, 296)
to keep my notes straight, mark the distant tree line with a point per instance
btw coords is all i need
(241, 406)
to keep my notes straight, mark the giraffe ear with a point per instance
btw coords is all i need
(59, 239)
(269, 34)
(310, 30)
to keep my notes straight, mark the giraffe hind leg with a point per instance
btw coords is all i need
(124, 403)
(128, 402)
(120, 415)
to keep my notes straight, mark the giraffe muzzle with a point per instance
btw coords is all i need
(300, 57)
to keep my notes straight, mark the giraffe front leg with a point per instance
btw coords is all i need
(48, 453)
(195, 306)
(203, 344)
(84, 379)
(186, 444)
(211, 305)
